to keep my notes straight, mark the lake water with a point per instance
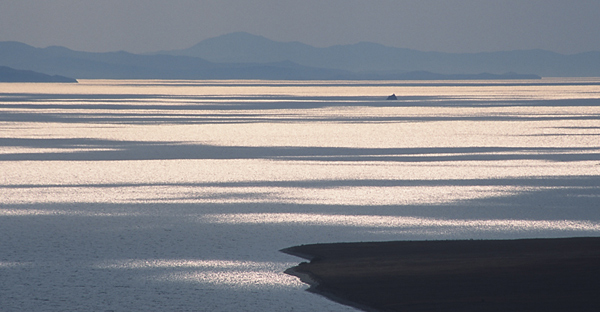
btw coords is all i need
(147, 195)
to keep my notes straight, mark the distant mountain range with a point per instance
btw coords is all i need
(371, 57)
(245, 56)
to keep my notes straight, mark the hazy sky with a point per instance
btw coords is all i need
(564, 26)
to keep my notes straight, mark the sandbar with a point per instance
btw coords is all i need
(553, 274)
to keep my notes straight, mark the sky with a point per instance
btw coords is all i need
(139, 26)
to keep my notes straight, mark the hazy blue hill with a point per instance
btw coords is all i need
(124, 65)
(242, 47)
(369, 57)
(8, 74)
(241, 55)
(99, 65)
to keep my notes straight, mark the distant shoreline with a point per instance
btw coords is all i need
(426, 75)
(545, 81)
(8, 74)
(474, 275)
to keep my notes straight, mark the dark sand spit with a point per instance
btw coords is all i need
(464, 275)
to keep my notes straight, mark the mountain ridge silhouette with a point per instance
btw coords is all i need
(368, 56)
(242, 55)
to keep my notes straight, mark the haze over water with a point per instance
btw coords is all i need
(153, 195)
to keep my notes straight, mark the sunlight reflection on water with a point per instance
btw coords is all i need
(403, 222)
(149, 195)
(238, 274)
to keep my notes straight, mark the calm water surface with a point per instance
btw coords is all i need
(146, 195)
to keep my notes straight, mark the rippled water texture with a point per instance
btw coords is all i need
(177, 195)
